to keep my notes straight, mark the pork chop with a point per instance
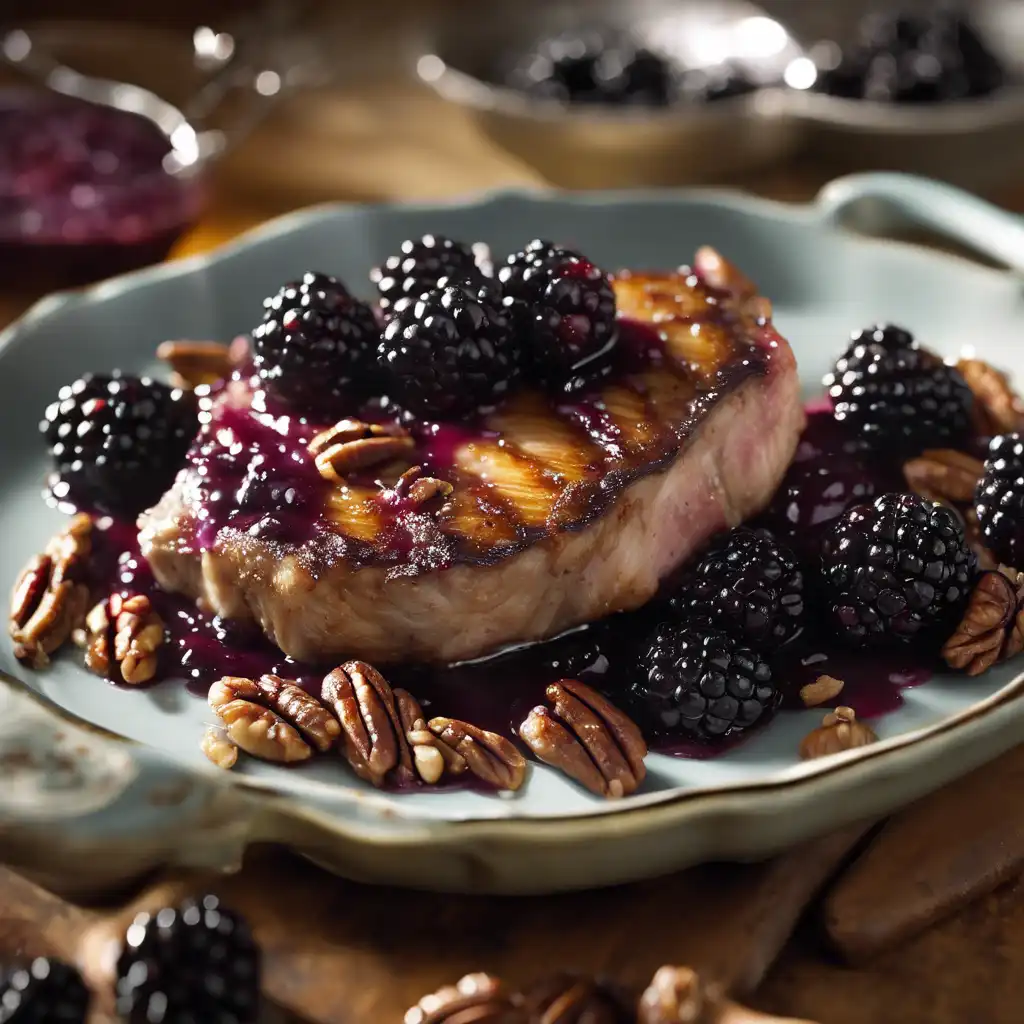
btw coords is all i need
(560, 513)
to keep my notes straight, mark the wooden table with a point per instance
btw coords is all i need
(341, 952)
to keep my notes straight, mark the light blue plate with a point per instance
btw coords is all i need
(754, 800)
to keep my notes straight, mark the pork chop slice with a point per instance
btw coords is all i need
(560, 513)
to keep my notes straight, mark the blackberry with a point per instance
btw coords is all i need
(42, 991)
(194, 962)
(698, 682)
(448, 353)
(895, 571)
(118, 441)
(999, 499)
(563, 309)
(419, 267)
(315, 347)
(897, 395)
(749, 585)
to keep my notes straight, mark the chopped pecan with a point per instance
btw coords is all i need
(351, 445)
(997, 407)
(490, 757)
(50, 597)
(218, 746)
(980, 641)
(821, 691)
(372, 735)
(122, 639)
(417, 490)
(840, 730)
(196, 363)
(257, 730)
(430, 754)
(474, 999)
(945, 475)
(567, 998)
(588, 738)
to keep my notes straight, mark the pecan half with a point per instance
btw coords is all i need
(418, 490)
(257, 730)
(122, 639)
(840, 730)
(431, 756)
(474, 999)
(945, 475)
(371, 731)
(218, 746)
(821, 691)
(980, 640)
(588, 738)
(352, 445)
(196, 363)
(997, 407)
(490, 757)
(568, 998)
(1015, 634)
(50, 598)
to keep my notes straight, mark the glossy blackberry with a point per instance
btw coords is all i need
(419, 266)
(999, 500)
(698, 682)
(563, 310)
(448, 353)
(898, 396)
(118, 441)
(315, 347)
(749, 585)
(196, 962)
(42, 991)
(895, 571)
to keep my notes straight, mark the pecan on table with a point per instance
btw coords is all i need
(196, 363)
(431, 756)
(840, 730)
(218, 746)
(989, 627)
(351, 445)
(944, 475)
(490, 757)
(998, 409)
(50, 597)
(474, 999)
(569, 998)
(584, 735)
(372, 735)
(253, 713)
(122, 639)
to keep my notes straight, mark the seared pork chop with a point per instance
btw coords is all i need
(560, 512)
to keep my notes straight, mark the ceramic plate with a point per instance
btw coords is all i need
(748, 802)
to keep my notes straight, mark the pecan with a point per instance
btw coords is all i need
(981, 638)
(196, 363)
(351, 445)
(1015, 634)
(430, 754)
(997, 407)
(122, 638)
(317, 725)
(218, 746)
(840, 730)
(417, 490)
(50, 597)
(474, 999)
(676, 995)
(588, 738)
(945, 475)
(567, 998)
(490, 757)
(257, 730)
(371, 730)
(821, 691)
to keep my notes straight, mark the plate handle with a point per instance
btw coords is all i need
(881, 202)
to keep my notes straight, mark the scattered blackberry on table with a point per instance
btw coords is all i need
(118, 441)
(419, 266)
(898, 396)
(316, 345)
(999, 500)
(698, 682)
(895, 571)
(448, 353)
(748, 585)
(563, 311)
(194, 962)
(42, 991)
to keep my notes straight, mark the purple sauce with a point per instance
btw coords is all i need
(83, 191)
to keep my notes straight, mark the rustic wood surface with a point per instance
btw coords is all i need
(341, 953)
